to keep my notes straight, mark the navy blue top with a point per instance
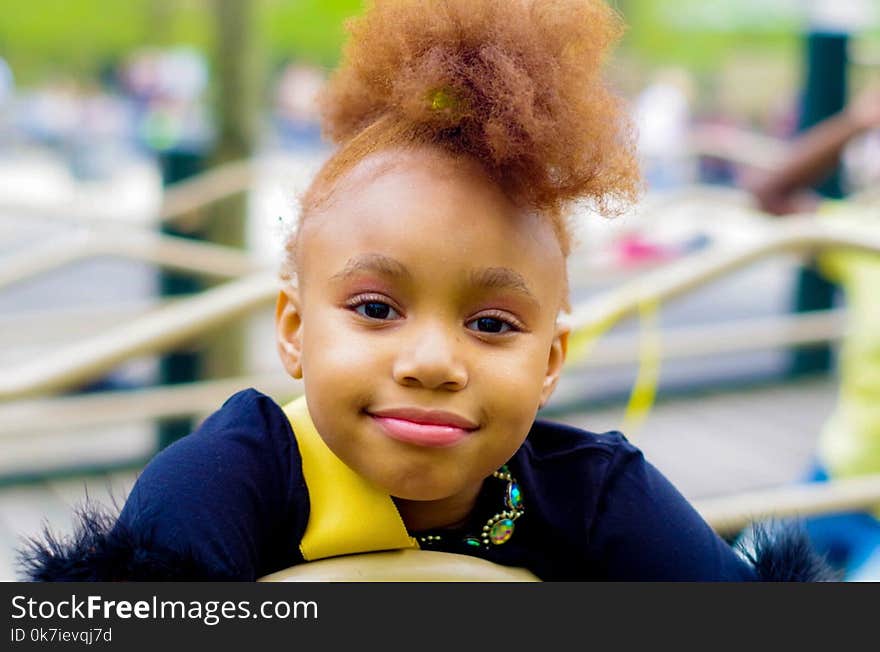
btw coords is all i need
(232, 495)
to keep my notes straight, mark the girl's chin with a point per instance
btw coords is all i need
(426, 496)
(424, 491)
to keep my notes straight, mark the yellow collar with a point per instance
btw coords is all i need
(347, 514)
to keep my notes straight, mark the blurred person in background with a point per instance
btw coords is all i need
(849, 444)
(96, 147)
(7, 92)
(296, 108)
(814, 155)
(7, 84)
(663, 119)
(168, 89)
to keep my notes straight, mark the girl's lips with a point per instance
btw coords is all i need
(421, 434)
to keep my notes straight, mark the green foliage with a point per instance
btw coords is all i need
(42, 38)
(58, 37)
(312, 30)
(45, 38)
(700, 36)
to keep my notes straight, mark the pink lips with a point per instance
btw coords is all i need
(429, 428)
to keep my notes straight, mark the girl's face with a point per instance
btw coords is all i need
(424, 324)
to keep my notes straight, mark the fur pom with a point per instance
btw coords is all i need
(101, 549)
(781, 551)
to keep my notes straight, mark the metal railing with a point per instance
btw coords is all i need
(165, 251)
(179, 202)
(156, 332)
(730, 514)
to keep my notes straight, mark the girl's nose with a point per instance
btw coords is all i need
(429, 360)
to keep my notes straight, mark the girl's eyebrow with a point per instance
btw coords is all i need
(503, 278)
(375, 263)
(495, 278)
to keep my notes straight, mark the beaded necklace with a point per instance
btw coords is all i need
(499, 528)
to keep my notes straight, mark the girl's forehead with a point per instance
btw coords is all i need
(431, 208)
(426, 168)
(435, 218)
(423, 188)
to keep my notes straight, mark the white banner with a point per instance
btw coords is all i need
(844, 16)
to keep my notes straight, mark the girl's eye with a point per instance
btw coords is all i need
(376, 310)
(489, 325)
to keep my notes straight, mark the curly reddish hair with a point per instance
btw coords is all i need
(516, 85)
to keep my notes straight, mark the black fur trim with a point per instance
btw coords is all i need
(781, 551)
(103, 550)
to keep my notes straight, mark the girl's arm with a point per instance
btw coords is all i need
(644, 529)
(226, 502)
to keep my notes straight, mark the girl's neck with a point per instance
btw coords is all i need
(422, 515)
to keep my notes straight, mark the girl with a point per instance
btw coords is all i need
(419, 304)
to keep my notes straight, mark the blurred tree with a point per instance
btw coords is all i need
(237, 84)
(159, 16)
(237, 56)
(238, 77)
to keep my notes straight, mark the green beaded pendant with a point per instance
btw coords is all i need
(514, 497)
(501, 531)
(498, 529)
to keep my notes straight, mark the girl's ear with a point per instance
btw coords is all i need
(555, 361)
(288, 330)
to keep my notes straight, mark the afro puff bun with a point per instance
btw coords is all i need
(515, 84)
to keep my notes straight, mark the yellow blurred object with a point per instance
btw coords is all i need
(582, 342)
(849, 444)
(645, 388)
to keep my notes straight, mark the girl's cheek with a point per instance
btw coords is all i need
(347, 353)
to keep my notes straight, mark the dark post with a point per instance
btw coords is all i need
(183, 365)
(825, 93)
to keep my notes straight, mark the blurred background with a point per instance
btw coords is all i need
(151, 153)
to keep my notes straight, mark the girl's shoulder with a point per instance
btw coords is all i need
(550, 441)
(247, 410)
(558, 458)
